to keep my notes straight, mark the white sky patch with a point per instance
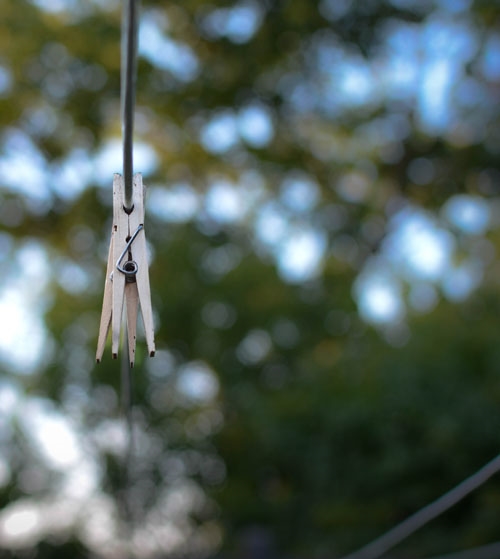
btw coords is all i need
(255, 125)
(252, 186)
(356, 83)
(81, 479)
(418, 244)
(112, 436)
(433, 98)
(220, 133)
(164, 52)
(223, 202)
(345, 80)
(178, 203)
(420, 252)
(424, 63)
(40, 120)
(22, 301)
(419, 63)
(378, 303)
(299, 192)
(6, 245)
(163, 366)
(300, 257)
(72, 277)
(354, 186)
(490, 61)
(9, 398)
(56, 6)
(198, 382)
(238, 23)
(5, 80)
(460, 281)
(109, 160)
(23, 167)
(20, 523)
(254, 347)
(378, 294)
(72, 175)
(54, 437)
(298, 250)
(399, 76)
(34, 264)
(454, 6)
(99, 527)
(448, 47)
(52, 433)
(22, 336)
(452, 38)
(334, 9)
(399, 67)
(26, 521)
(271, 224)
(470, 214)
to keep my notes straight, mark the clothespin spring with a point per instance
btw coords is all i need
(130, 267)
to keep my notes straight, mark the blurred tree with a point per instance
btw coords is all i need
(323, 223)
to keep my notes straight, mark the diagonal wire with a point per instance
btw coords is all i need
(491, 551)
(387, 541)
(128, 84)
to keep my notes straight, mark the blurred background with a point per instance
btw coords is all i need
(323, 220)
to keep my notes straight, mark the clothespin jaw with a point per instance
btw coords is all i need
(127, 275)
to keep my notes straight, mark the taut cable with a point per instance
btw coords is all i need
(128, 84)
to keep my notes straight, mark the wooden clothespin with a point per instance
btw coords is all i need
(127, 276)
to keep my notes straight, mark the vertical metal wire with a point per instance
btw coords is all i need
(129, 30)
(128, 459)
(128, 84)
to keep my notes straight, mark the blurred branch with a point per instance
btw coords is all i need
(406, 528)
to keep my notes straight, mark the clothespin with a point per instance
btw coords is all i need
(127, 276)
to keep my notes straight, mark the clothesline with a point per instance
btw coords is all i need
(396, 535)
(128, 86)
